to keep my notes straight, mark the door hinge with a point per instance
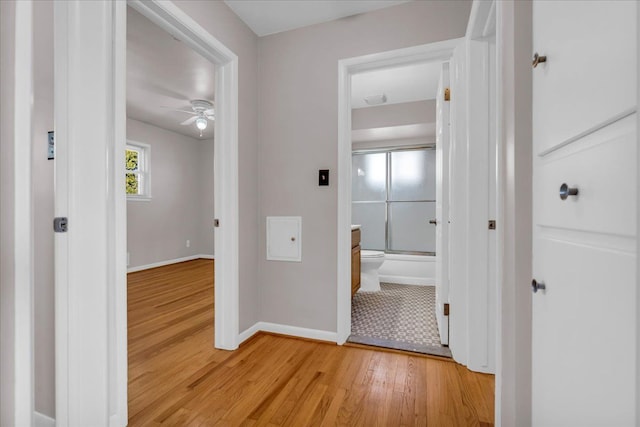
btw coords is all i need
(446, 309)
(492, 224)
(447, 94)
(60, 224)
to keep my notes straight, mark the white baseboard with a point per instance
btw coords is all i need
(41, 420)
(407, 280)
(248, 333)
(168, 262)
(293, 331)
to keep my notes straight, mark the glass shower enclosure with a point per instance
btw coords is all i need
(393, 198)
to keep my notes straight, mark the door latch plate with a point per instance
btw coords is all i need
(60, 224)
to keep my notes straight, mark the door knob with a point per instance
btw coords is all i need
(566, 191)
(537, 286)
(433, 221)
(537, 59)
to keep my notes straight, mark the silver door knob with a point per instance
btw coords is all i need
(537, 286)
(433, 221)
(566, 191)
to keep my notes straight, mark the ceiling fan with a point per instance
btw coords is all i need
(202, 112)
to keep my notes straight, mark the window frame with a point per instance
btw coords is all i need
(144, 169)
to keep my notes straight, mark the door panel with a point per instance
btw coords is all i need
(583, 336)
(589, 76)
(604, 193)
(584, 376)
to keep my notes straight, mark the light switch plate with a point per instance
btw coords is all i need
(323, 177)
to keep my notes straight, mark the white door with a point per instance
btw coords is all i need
(584, 136)
(442, 211)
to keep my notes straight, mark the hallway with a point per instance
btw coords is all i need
(176, 377)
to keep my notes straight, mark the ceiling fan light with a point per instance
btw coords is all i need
(201, 123)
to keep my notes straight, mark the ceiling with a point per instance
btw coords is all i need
(266, 17)
(164, 72)
(408, 83)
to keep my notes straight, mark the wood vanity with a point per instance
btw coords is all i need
(355, 261)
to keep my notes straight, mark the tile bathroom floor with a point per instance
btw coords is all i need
(400, 317)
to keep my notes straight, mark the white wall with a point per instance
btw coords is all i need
(298, 106)
(157, 230)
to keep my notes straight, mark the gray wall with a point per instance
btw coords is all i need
(513, 381)
(157, 230)
(218, 19)
(44, 333)
(406, 113)
(7, 360)
(298, 106)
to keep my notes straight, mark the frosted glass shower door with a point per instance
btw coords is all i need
(393, 198)
(369, 197)
(412, 194)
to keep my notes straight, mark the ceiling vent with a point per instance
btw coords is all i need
(376, 99)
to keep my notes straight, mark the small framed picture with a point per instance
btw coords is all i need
(51, 147)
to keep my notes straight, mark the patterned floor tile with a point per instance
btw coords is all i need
(399, 316)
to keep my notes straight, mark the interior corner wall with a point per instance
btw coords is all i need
(7, 336)
(221, 22)
(158, 229)
(298, 106)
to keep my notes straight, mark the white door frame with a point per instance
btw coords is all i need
(346, 68)
(225, 163)
(17, 280)
(100, 233)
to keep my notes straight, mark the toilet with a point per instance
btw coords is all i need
(370, 262)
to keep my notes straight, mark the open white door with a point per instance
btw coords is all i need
(442, 200)
(584, 214)
(90, 276)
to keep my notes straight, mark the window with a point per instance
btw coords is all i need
(137, 171)
(393, 199)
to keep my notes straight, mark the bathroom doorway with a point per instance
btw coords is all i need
(393, 206)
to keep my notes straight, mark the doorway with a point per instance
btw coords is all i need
(393, 179)
(432, 53)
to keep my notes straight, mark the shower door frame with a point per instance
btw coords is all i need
(387, 200)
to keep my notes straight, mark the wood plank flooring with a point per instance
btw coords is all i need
(177, 378)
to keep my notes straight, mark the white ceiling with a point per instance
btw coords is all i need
(163, 72)
(266, 17)
(416, 82)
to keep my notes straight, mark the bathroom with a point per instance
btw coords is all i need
(394, 193)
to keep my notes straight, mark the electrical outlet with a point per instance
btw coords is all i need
(188, 243)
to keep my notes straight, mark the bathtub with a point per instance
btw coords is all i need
(409, 269)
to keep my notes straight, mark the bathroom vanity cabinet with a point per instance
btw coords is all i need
(355, 261)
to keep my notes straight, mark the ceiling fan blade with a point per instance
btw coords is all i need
(180, 111)
(189, 121)
(210, 117)
(210, 111)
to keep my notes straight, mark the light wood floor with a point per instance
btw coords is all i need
(177, 378)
